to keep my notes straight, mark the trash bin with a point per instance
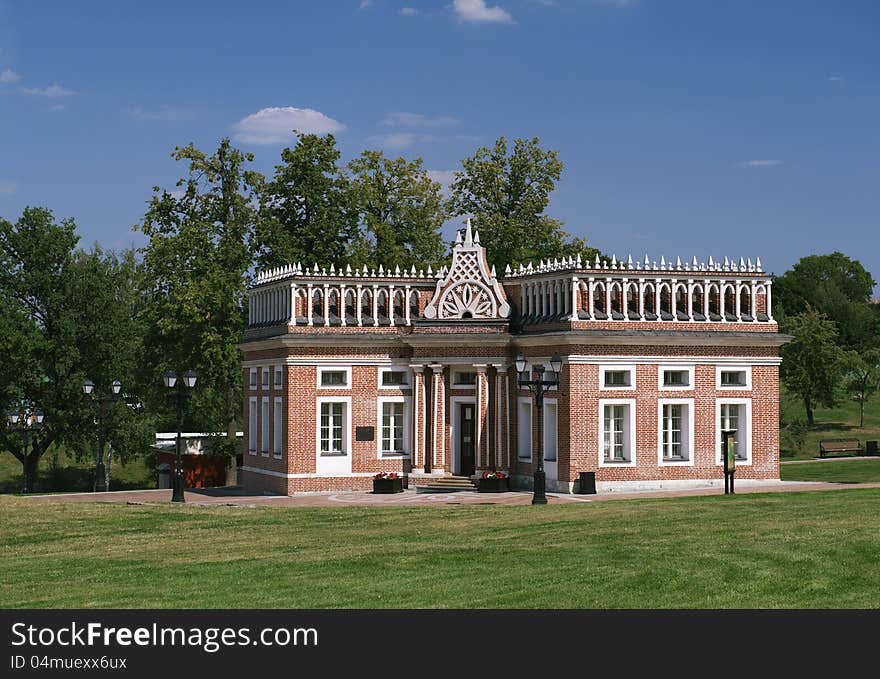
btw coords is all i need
(871, 448)
(587, 483)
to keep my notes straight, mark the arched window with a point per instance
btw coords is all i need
(616, 299)
(382, 298)
(599, 300)
(350, 304)
(665, 299)
(729, 300)
(698, 303)
(632, 299)
(714, 301)
(681, 300)
(318, 303)
(649, 292)
(745, 302)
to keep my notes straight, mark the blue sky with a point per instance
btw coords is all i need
(687, 127)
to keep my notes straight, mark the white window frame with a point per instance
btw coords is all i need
(253, 382)
(631, 402)
(689, 369)
(747, 369)
(520, 439)
(463, 385)
(346, 425)
(264, 427)
(277, 427)
(551, 403)
(265, 374)
(407, 427)
(335, 368)
(747, 402)
(395, 369)
(276, 383)
(623, 367)
(252, 425)
(687, 430)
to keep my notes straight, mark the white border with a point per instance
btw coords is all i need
(277, 436)
(454, 370)
(689, 462)
(266, 372)
(689, 369)
(395, 369)
(454, 402)
(276, 370)
(747, 402)
(253, 430)
(255, 382)
(519, 401)
(334, 368)
(333, 464)
(264, 426)
(407, 427)
(631, 402)
(733, 368)
(615, 367)
(580, 359)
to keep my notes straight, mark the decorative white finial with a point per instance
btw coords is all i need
(468, 234)
(507, 271)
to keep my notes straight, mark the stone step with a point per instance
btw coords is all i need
(447, 484)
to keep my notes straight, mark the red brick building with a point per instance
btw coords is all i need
(348, 373)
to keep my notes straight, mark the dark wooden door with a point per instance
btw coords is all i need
(466, 442)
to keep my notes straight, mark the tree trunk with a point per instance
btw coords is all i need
(30, 465)
(107, 466)
(862, 411)
(809, 407)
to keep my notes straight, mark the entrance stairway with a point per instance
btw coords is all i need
(448, 484)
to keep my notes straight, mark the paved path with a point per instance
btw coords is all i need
(239, 497)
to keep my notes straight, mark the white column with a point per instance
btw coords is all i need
(498, 414)
(706, 298)
(624, 299)
(293, 293)
(343, 301)
(375, 304)
(358, 302)
(721, 301)
(326, 304)
(641, 299)
(673, 299)
(406, 295)
(309, 292)
(754, 301)
(479, 419)
(690, 299)
(592, 303)
(608, 309)
(769, 300)
(391, 301)
(737, 291)
(575, 284)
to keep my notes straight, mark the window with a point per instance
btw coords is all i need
(735, 415)
(253, 382)
(394, 378)
(464, 378)
(617, 431)
(265, 375)
(676, 377)
(279, 377)
(733, 377)
(334, 378)
(617, 377)
(264, 439)
(675, 431)
(524, 429)
(252, 423)
(332, 434)
(393, 428)
(551, 438)
(277, 425)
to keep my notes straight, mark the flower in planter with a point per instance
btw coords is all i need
(494, 475)
(386, 475)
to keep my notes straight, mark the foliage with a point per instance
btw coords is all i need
(862, 378)
(305, 213)
(812, 363)
(507, 192)
(401, 210)
(197, 263)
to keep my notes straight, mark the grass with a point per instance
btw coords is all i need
(784, 550)
(841, 422)
(866, 470)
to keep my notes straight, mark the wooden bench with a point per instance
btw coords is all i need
(840, 446)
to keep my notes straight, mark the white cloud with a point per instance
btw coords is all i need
(476, 11)
(8, 187)
(835, 78)
(54, 90)
(409, 11)
(401, 140)
(762, 163)
(365, 3)
(616, 3)
(275, 125)
(9, 76)
(405, 119)
(444, 177)
(161, 113)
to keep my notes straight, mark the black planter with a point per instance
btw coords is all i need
(388, 485)
(493, 486)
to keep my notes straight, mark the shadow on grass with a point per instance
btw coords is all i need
(66, 480)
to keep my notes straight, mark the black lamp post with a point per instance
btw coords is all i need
(538, 386)
(180, 396)
(25, 419)
(100, 401)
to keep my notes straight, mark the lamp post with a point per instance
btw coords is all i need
(538, 386)
(24, 419)
(180, 396)
(100, 401)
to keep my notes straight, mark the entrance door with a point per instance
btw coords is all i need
(466, 442)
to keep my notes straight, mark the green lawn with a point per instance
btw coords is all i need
(841, 422)
(865, 470)
(784, 550)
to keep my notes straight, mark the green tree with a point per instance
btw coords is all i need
(863, 377)
(836, 286)
(196, 266)
(507, 192)
(812, 363)
(401, 210)
(305, 213)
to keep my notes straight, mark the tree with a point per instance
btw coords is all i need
(305, 213)
(196, 264)
(836, 286)
(863, 377)
(507, 194)
(812, 363)
(401, 211)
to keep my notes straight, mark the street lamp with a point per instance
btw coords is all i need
(26, 420)
(538, 386)
(99, 401)
(180, 395)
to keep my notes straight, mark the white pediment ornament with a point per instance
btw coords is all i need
(468, 289)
